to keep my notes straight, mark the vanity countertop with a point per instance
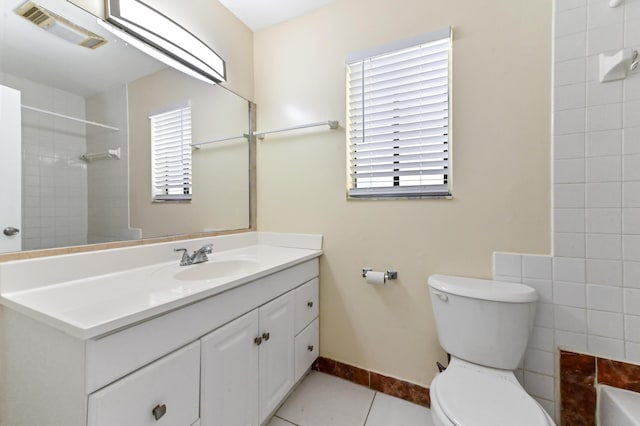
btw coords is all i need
(97, 305)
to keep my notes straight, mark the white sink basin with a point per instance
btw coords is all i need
(216, 269)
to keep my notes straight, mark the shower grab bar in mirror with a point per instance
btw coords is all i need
(196, 145)
(68, 117)
(333, 124)
(108, 154)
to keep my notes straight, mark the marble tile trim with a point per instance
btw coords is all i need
(391, 386)
(577, 389)
(619, 374)
(579, 375)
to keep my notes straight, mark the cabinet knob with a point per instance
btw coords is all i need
(258, 340)
(266, 336)
(310, 348)
(159, 411)
(310, 304)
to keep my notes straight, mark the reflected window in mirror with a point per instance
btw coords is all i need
(171, 154)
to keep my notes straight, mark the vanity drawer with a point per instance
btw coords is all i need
(168, 389)
(306, 300)
(307, 348)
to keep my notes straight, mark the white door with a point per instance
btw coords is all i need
(276, 352)
(10, 170)
(229, 374)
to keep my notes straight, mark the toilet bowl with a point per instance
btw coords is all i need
(485, 326)
(467, 394)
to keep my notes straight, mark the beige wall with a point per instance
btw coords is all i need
(501, 156)
(220, 171)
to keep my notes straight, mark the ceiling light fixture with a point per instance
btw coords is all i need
(176, 45)
(152, 51)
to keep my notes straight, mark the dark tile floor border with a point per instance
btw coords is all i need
(375, 381)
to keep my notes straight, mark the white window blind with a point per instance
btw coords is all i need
(398, 102)
(171, 154)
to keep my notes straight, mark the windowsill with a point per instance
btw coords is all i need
(416, 197)
(170, 201)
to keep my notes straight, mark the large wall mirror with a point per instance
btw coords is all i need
(86, 183)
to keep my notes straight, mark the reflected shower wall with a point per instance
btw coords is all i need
(65, 200)
(108, 179)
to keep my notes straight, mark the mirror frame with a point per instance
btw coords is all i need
(253, 212)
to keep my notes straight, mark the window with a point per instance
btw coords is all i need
(398, 119)
(171, 154)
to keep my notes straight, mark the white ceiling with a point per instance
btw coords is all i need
(259, 14)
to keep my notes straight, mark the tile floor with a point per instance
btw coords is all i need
(324, 400)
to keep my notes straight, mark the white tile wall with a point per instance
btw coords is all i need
(570, 294)
(603, 194)
(631, 137)
(67, 202)
(607, 142)
(569, 245)
(604, 298)
(573, 195)
(108, 180)
(569, 269)
(631, 274)
(589, 291)
(632, 352)
(54, 177)
(538, 267)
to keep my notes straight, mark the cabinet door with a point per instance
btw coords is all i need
(276, 352)
(229, 383)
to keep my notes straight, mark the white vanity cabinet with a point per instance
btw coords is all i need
(224, 360)
(250, 364)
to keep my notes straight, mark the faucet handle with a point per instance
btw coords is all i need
(208, 248)
(186, 260)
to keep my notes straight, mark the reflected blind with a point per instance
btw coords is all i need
(398, 114)
(171, 152)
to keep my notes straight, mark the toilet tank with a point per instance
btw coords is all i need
(484, 322)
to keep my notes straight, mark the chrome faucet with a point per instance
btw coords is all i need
(198, 256)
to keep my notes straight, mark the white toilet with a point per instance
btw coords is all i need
(484, 326)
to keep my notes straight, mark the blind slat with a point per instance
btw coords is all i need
(405, 157)
(428, 150)
(402, 165)
(397, 173)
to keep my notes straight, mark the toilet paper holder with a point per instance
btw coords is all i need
(388, 275)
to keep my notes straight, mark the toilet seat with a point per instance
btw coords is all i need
(470, 396)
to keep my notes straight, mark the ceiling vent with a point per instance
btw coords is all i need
(59, 26)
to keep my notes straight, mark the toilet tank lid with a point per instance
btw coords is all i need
(476, 288)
